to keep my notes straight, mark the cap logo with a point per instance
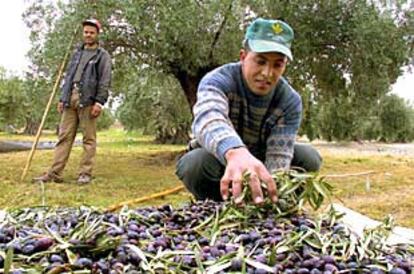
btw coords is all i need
(277, 28)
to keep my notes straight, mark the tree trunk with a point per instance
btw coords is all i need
(177, 134)
(31, 127)
(189, 83)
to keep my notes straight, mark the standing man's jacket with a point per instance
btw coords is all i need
(95, 80)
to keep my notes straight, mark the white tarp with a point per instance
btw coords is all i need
(358, 222)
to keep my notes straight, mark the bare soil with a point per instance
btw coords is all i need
(366, 148)
(351, 148)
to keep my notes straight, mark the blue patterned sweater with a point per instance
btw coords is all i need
(228, 115)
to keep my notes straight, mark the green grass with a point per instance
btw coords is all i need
(130, 166)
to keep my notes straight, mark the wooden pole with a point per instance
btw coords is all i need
(49, 103)
(145, 198)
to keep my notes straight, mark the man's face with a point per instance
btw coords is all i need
(90, 35)
(262, 71)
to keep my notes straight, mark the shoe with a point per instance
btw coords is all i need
(84, 179)
(47, 178)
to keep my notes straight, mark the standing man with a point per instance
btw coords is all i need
(246, 119)
(84, 92)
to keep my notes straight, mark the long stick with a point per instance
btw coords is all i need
(145, 198)
(52, 95)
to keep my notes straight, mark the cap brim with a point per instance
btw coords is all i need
(262, 46)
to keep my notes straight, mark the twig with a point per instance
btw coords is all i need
(219, 31)
(145, 198)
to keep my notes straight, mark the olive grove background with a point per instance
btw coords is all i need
(347, 54)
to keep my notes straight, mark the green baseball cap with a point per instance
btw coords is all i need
(266, 35)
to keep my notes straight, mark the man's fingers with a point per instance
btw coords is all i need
(237, 186)
(235, 180)
(95, 112)
(271, 186)
(257, 194)
(224, 187)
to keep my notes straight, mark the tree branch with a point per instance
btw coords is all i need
(218, 33)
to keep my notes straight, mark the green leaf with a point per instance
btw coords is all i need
(144, 262)
(258, 265)
(282, 249)
(71, 256)
(8, 260)
(216, 268)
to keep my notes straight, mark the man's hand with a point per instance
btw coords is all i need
(96, 110)
(240, 160)
(60, 107)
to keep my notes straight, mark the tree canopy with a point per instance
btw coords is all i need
(346, 53)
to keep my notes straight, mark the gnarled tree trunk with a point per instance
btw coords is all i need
(189, 83)
(31, 127)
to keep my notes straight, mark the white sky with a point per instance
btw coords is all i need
(15, 36)
(15, 44)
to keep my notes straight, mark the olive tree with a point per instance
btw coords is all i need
(397, 119)
(12, 101)
(343, 50)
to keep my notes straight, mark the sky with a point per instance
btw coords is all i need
(15, 44)
(15, 36)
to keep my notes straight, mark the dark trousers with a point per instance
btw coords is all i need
(201, 172)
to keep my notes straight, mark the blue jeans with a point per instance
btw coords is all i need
(201, 172)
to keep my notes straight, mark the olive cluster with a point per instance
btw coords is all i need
(201, 237)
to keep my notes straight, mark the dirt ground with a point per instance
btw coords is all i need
(366, 148)
(352, 148)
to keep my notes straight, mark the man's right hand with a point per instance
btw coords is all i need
(60, 107)
(239, 161)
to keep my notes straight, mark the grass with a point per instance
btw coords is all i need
(130, 166)
(127, 166)
(391, 186)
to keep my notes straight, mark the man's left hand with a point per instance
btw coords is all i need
(96, 110)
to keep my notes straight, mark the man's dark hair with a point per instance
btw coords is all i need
(92, 22)
(245, 45)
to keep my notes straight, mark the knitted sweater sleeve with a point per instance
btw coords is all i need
(212, 126)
